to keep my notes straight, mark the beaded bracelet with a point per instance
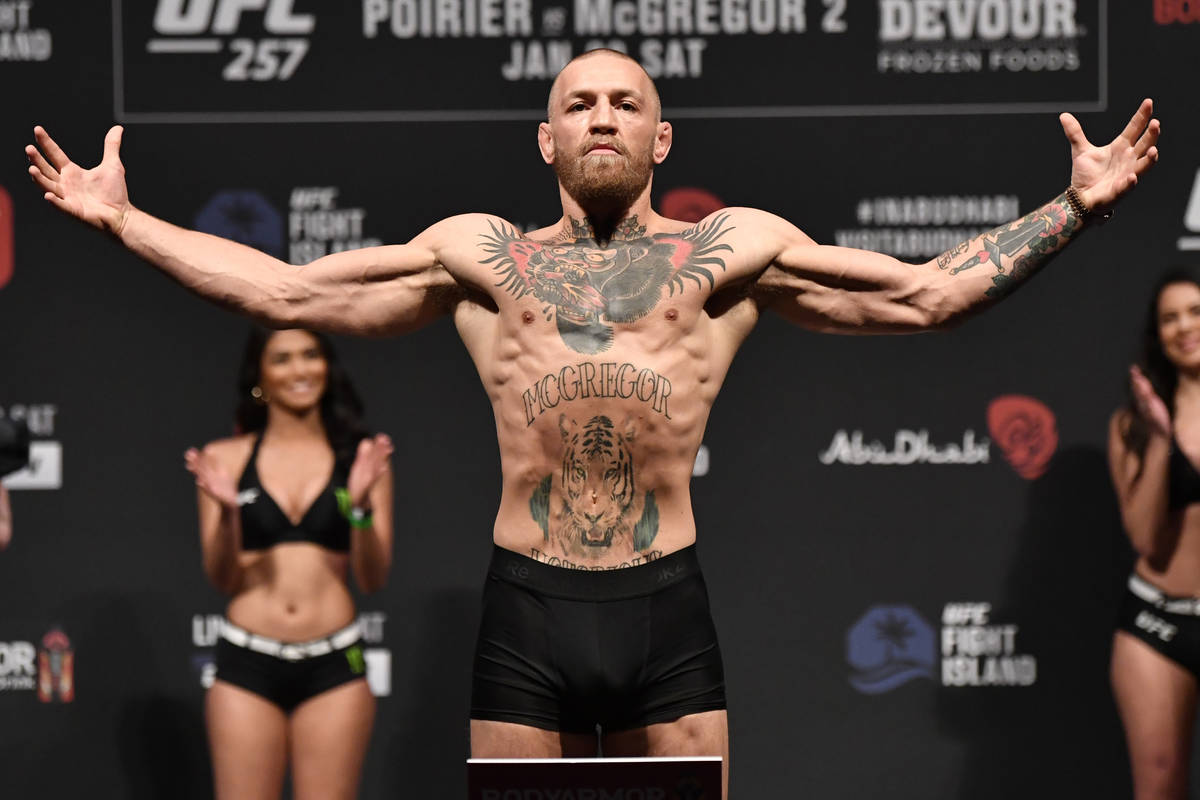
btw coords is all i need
(1082, 211)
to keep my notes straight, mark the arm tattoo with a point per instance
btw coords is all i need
(599, 499)
(1028, 243)
(587, 286)
(946, 258)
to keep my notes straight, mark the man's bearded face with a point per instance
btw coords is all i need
(600, 177)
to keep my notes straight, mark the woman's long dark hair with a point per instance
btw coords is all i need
(341, 408)
(1163, 376)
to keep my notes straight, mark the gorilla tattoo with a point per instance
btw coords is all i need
(587, 287)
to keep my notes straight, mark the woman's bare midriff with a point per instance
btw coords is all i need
(1181, 575)
(293, 592)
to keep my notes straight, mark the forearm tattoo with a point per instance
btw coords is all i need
(586, 285)
(600, 509)
(1027, 243)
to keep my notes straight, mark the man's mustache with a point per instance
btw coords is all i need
(610, 143)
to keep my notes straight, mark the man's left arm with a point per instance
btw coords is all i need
(855, 291)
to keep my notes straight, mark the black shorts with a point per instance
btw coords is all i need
(567, 650)
(1171, 625)
(287, 674)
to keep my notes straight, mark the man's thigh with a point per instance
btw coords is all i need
(703, 734)
(490, 739)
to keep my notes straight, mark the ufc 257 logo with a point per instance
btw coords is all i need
(201, 26)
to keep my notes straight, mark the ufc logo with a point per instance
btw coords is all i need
(191, 17)
(1156, 626)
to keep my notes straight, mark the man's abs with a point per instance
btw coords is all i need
(597, 456)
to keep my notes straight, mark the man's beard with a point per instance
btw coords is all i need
(606, 184)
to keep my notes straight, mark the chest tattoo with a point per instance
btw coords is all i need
(586, 286)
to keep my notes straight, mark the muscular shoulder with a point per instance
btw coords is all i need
(231, 453)
(755, 227)
(750, 221)
(466, 229)
(752, 238)
(462, 241)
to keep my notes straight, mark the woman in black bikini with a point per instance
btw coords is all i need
(313, 501)
(1154, 447)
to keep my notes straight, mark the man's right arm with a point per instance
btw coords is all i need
(373, 291)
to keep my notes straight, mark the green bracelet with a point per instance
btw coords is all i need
(357, 518)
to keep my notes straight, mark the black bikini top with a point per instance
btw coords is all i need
(264, 524)
(1183, 480)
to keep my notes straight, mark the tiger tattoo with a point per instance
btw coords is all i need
(598, 492)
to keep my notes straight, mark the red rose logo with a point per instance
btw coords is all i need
(1026, 431)
(6, 238)
(690, 204)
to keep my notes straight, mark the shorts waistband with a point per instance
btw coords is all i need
(291, 651)
(1145, 590)
(594, 584)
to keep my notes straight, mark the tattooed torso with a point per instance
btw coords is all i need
(602, 354)
(602, 361)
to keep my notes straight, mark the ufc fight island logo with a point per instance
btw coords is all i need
(193, 27)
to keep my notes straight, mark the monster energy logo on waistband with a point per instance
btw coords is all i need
(354, 657)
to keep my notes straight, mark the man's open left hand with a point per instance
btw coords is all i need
(1102, 175)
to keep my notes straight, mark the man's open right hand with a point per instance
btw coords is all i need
(97, 196)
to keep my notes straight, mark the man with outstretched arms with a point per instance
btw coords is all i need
(602, 342)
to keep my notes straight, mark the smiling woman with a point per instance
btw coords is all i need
(1154, 447)
(287, 507)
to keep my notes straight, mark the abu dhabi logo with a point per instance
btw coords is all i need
(1027, 432)
(1191, 218)
(245, 216)
(6, 237)
(889, 646)
(909, 447)
(1023, 427)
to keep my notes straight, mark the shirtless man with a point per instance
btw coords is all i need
(602, 341)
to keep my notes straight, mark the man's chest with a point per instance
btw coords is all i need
(592, 293)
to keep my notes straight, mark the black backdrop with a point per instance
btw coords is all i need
(839, 584)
